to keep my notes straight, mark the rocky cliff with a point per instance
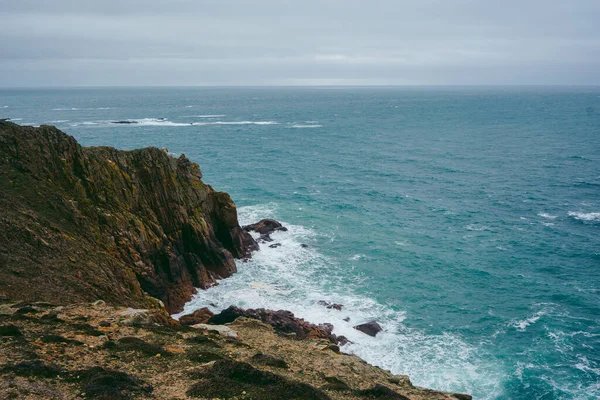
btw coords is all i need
(84, 223)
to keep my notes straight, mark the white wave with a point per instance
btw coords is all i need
(80, 109)
(59, 121)
(306, 126)
(189, 106)
(5, 107)
(546, 215)
(477, 228)
(521, 325)
(156, 122)
(235, 123)
(16, 119)
(593, 216)
(294, 278)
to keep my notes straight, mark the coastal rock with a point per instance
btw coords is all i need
(275, 245)
(95, 222)
(265, 227)
(329, 305)
(200, 316)
(124, 122)
(370, 328)
(221, 329)
(282, 321)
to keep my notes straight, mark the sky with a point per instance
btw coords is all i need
(299, 42)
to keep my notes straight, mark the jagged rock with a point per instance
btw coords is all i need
(200, 316)
(329, 305)
(135, 222)
(283, 321)
(221, 329)
(265, 227)
(264, 238)
(342, 340)
(370, 328)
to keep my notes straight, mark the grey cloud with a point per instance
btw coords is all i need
(277, 42)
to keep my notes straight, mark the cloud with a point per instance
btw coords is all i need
(265, 42)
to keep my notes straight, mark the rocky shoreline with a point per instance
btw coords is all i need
(99, 246)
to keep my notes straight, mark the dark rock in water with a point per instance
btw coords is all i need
(264, 238)
(347, 319)
(282, 321)
(116, 225)
(304, 246)
(200, 316)
(342, 340)
(265, 227)
(124, 122)
(370, 328)
(275, 245)
(329, 305)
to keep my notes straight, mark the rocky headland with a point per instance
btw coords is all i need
(99, 246)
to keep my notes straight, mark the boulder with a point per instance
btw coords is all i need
(370, 328)
(200, 316)
(265, 227)
(275, 245)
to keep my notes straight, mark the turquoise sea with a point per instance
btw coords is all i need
(465, 220)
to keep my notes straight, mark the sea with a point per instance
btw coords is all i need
(464, 220)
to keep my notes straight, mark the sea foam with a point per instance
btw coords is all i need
(296, 278)
(593, 216)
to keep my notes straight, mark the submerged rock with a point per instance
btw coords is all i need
(265, 227)
(329, 305)
(124, 122)
(370, 328)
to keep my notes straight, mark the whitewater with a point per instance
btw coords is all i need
(464, 220)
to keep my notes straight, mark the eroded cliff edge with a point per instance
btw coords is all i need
(85, 223)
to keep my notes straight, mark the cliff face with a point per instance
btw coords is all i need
(81, 223)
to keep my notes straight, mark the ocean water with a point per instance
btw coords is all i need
(466, 221)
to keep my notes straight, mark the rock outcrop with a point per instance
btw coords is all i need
(370, 328)
(85, 223)
(284, 322)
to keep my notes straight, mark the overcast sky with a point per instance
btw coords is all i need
(299, 42)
